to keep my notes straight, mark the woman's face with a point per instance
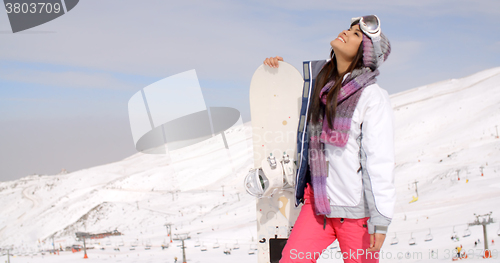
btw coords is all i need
(347, 43)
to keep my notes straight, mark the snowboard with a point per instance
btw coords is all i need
(275, 101)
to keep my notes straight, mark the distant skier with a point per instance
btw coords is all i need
(458, 250)
(347, 150)
(475, 243)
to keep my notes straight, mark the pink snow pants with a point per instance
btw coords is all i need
(308, 238)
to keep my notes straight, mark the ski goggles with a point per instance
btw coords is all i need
(370, 25)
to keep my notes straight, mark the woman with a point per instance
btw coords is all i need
(348, 188)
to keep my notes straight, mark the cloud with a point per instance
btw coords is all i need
(408, 8)
(495, 47)
(223, 40)
(402, 54)
(68, 79)
(22, 99)
(169, 38)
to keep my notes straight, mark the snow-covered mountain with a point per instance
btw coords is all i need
(444, 131)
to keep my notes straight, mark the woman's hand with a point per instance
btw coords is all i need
(273, 62)
(376, 241)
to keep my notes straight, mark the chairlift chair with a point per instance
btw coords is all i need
(236, 246)
(135, 243)
(454, 235)
(412, 242)
(164, 245)
(394, 240)
(203, 248)
(429, 236)
(216, 245)
(251, 250)
(498, 232)
(467, 232)
(334, 245)
(197, 244)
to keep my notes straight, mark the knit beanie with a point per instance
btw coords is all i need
(369, 57)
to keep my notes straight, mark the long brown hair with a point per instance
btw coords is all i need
(327, 73)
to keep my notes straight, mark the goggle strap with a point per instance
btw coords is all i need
(378, 50)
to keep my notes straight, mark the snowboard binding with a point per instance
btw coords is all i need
(271, 177)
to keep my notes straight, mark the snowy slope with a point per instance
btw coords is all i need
(137, 195)
(444, 131)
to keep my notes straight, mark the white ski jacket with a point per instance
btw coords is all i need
(360, 180)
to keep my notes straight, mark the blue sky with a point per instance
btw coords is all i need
(65, 85)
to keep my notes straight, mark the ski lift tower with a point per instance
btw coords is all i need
(416, 192)
(183, 237)
(83, 236)
(416, 189)
(483, 220)
(53, 245)
(8, 254)
(169, 230)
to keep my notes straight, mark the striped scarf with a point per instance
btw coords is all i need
(320, 133)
